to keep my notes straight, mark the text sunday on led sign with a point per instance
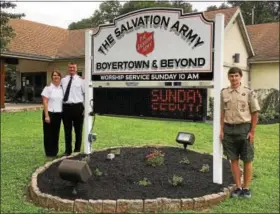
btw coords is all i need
(185, 31)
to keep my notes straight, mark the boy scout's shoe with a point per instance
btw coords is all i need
(237, 193)
(246, 193)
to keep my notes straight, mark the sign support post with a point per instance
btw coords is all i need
(88, 92)
(218, 85)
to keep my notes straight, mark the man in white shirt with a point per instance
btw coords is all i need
(73, 108)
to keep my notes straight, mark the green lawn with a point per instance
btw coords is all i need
(22, 153)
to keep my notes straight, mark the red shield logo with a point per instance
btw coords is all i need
(145, 43)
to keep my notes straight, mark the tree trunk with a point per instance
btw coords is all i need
(2, 83)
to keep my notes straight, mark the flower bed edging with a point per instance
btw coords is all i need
(157, 205)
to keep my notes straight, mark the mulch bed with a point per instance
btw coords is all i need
(120, 176)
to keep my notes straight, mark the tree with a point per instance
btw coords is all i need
(223, 6)
(10, 81)
(187, 7)
(136, 5)
(214, 7)
(110, 9)
(211, 8)
(264, 11)
(84, 23)
(6, 31)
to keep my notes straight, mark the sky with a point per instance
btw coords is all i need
(62, 13)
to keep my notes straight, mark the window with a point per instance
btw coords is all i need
(80, 73)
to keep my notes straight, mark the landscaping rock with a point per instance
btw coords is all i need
(95, 206)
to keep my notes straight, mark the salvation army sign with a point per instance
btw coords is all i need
(154, 45)
(145, 43)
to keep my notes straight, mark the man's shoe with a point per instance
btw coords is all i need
(237, 193)
(246, 193)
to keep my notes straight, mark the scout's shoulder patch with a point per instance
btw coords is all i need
(250, 91)
(223, 91)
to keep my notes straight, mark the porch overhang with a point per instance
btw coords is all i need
(27, 56)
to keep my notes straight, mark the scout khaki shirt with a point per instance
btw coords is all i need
(238, 104)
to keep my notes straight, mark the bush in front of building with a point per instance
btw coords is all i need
(269, 104)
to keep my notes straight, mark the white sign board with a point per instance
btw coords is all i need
(154, 41)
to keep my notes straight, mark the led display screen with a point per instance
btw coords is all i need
(173, 103)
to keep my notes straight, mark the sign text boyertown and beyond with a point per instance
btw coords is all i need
(181, 30)
(153, 64)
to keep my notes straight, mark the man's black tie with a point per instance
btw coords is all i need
(66, 95)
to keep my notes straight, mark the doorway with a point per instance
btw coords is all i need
(33, 84)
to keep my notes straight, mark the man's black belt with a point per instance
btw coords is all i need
(239, 124)
(72, 104)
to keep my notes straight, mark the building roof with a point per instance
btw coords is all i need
(231, 15)
(36, 39)
(265, 41)
(73, 45)
(48, 42)
(228, 12)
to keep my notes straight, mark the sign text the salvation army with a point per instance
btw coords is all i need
(185, 32)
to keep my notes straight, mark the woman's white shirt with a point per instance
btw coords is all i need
(55, 97)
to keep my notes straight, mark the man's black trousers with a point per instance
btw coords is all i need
(73, 116)
(51, 133)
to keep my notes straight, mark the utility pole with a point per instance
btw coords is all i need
(253, 14)
(2, 83)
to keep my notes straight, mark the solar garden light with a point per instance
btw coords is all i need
(185, 138)
(74, 171)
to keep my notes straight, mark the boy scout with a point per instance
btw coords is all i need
(239, 115)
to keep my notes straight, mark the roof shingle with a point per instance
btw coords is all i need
(35, 38)
(73, 45)
(228, 12)
(265, 40)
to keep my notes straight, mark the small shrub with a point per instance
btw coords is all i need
(155, 158)
(116, 151)
(97, 172)
(145, 182)
(185, 160)
(176, 180)
(205, 168)
(211, 108)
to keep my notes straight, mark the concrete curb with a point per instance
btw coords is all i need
(158, 205)
(24, 109)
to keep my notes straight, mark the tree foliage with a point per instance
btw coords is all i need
(6, 31)
(110, 9)
(214, 7)
(264, 11)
